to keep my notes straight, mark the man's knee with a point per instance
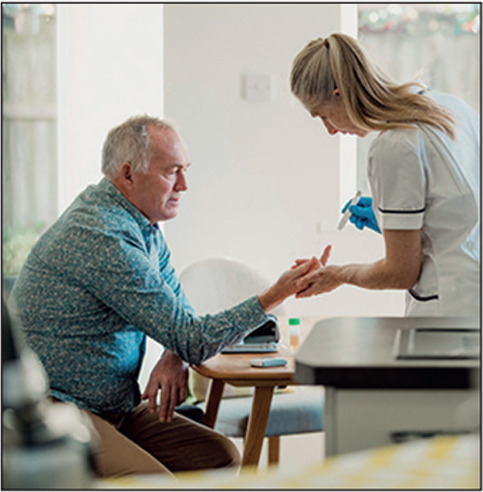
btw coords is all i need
(224, 451)
(232, 454)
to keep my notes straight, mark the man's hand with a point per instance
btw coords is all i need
(323, 259)
(289, 283)
(170, 375)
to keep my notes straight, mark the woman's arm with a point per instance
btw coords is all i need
(399, 269)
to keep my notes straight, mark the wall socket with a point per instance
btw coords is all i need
(258, 87)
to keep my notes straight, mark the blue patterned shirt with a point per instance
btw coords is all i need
(94, 285)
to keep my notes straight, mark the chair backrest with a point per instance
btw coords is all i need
(212, 285)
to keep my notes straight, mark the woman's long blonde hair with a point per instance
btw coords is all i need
(372, 100)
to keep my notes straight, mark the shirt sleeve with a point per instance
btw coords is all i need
(122, 277)
(397, 179)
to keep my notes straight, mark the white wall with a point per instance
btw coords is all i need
(109, 68)
(265, 178)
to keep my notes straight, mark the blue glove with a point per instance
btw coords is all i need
(363, 214)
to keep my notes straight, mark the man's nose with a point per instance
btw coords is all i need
(181, 183)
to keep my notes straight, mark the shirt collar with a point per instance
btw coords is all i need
(150, 229)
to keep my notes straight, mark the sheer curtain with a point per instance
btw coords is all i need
(29, 128)
(440, 43)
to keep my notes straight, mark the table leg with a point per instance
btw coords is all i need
(214, 398)
(273, 450)
(257, 424)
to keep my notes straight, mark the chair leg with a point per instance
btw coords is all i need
(214, 397)
(273, 450)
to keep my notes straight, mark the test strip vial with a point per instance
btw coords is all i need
(294, 331)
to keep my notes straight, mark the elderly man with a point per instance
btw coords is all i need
(100, 279)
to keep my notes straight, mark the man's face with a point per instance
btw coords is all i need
(157, 194)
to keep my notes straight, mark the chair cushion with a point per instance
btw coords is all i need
(294, 412)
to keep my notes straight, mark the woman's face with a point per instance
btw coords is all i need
(335, 117)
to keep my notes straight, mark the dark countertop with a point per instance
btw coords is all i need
(360, 353)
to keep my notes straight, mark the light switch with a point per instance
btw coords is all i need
(258, 87)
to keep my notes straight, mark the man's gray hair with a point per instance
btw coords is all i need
(129, 142)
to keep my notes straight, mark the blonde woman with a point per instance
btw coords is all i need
(423, 172)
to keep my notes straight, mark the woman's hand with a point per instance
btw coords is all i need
(399, 269)
(316, 284)
(170, 376)
(362, 214)
(292, 281)
(323, 280)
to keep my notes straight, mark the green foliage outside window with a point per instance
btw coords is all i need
(17, 242)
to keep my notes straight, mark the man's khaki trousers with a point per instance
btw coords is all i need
(137, 443)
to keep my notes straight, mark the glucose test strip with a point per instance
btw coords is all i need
(347, 213)
(268, 362)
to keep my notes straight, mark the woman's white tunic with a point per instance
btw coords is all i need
(421, 179)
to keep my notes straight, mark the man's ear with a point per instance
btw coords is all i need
(336, 93)
(125, 174)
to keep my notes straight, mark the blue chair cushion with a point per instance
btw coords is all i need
(292, 412)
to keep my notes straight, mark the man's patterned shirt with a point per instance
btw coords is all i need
(95, 284)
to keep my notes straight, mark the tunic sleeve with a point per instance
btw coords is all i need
(397, 179)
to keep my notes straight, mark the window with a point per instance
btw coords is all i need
(29, 169)
(442, 41)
